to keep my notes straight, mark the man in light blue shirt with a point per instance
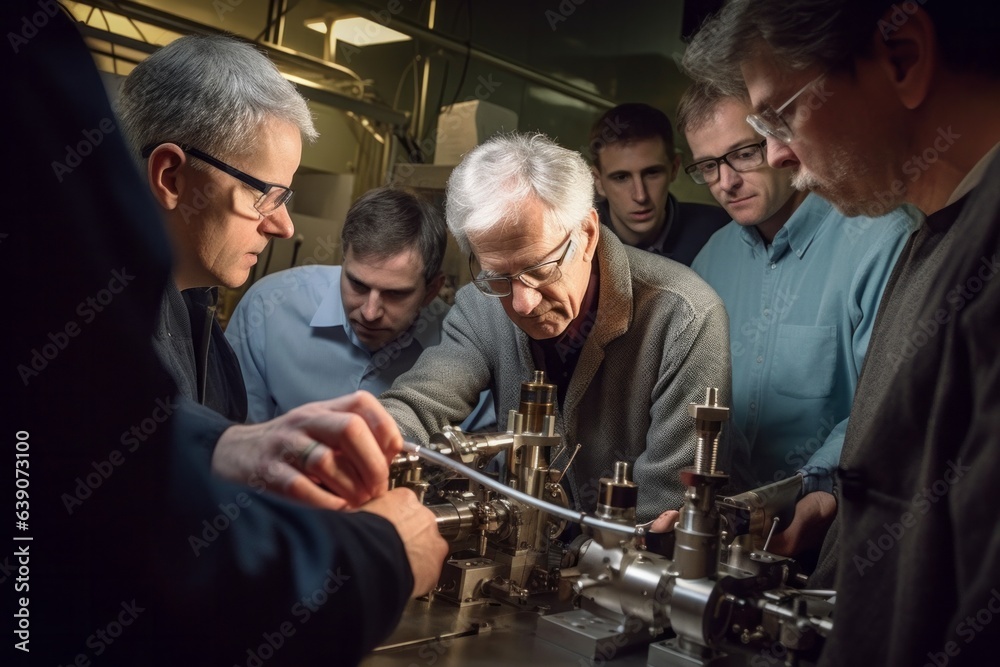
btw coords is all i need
(317, 332)
(802, 285)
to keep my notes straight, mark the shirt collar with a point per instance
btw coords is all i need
(331, 309)
(975, 175)
(797, 233)
(669, 216)
(659, 244)
(330, 313)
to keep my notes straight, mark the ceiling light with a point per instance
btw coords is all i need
(357, 31)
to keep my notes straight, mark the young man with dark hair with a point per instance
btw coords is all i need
(634, 161)
(317, 332)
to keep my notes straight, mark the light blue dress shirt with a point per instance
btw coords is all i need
(800, 315)
(295, 345)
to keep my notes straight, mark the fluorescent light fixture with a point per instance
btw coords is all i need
(358, 31)
(319, 25)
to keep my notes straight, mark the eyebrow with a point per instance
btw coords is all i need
(399, 290)
(647, 168)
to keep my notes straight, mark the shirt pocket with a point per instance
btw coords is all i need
(805, 361)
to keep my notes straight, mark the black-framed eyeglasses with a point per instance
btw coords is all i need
(771, 122)
(534, 277)
(744, 158)
(272, 197)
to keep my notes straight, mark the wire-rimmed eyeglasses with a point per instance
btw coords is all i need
(534, 277)
(771, 123)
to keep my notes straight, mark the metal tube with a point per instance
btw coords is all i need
(555, 510)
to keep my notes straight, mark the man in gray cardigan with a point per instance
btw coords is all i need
(628, 337)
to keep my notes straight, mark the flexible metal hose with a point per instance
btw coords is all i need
(555, 510)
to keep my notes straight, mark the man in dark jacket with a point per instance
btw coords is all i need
(873, 104)
(126, 551)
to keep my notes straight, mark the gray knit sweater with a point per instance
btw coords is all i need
(660, 337)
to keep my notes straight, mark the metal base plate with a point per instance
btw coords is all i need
(592, 636)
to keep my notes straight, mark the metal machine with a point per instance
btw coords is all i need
(719, 598)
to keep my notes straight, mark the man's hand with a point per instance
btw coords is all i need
(417, 527)
(333, 454)
(813, 516)
(665, 522)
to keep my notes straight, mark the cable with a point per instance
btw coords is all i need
(468, 52)
(520, 496)
(271, 22)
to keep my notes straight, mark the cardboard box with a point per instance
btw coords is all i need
(463, 126)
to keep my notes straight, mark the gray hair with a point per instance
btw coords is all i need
(211, 92)
(799, 34)
(495, 180)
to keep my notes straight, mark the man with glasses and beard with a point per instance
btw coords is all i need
(801, 284)
(912, 91)
(629, 338)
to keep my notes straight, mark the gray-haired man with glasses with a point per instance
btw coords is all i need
(219, 134)
(628, 337)
(801, 284)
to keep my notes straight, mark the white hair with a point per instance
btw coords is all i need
(497, 179)
(211, 92)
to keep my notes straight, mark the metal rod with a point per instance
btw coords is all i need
(531, 501)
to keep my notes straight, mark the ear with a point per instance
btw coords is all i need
(434, 286)
(675, 167)
(907, 52)
(166, 178)
(598, 185)
(591, 230)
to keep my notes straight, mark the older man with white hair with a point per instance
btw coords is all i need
(628, 337)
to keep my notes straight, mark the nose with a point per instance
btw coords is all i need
(278, 224)
(524, 299)
(780, 155)
(371, 309)
(639, 193)
(729, 178)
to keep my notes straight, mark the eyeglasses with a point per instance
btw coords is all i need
(534, 277)
(771, 123)
(744, 158)
(273, 196)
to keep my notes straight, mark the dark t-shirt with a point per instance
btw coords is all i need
(688, 228)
